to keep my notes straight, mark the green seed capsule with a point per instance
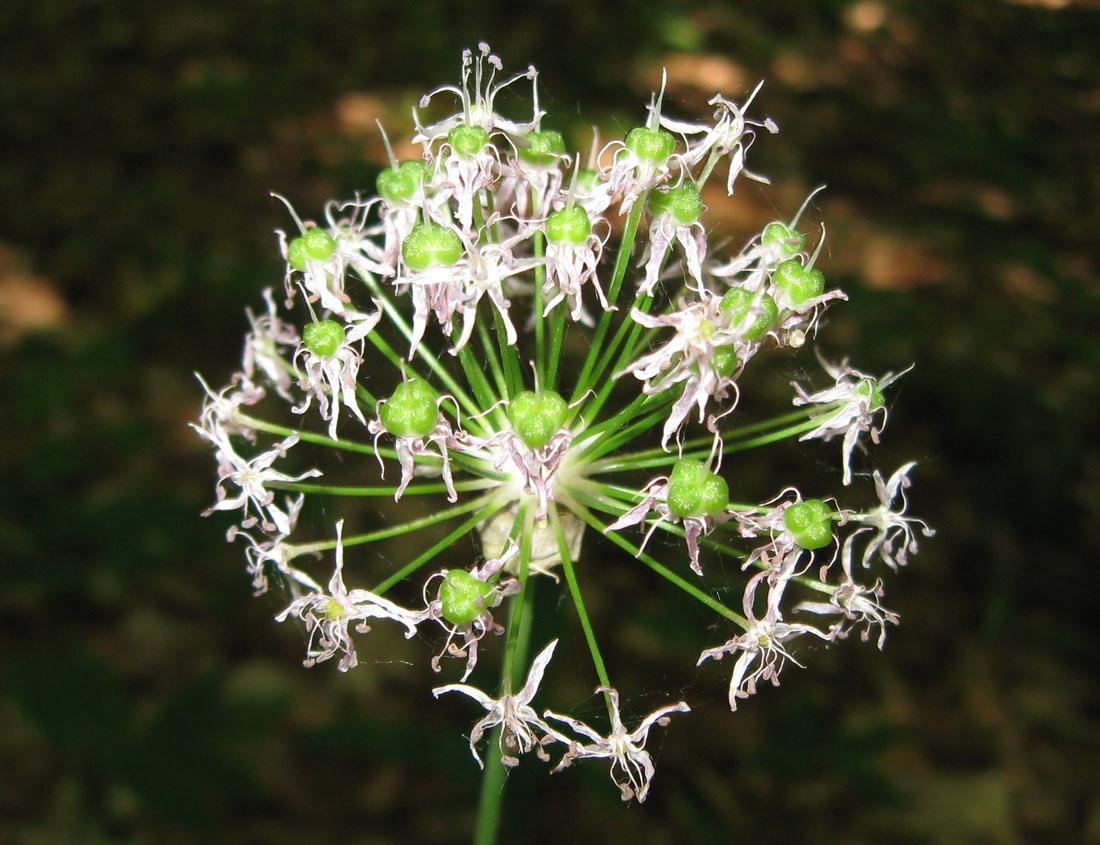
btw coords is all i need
(799, 283)
(695, 491)
(735, 307)
(412, 410)
(319, 244)
(546, 147)
(570, 225)
(296, 254)
(868, 389)
(431, 246)
(723, 361)
(537, 417)
(782, 241)
(468, 140)
(810, 523)
(463, 597)
(651, 147)
(682, 202)
(397, 186)
(323, 338)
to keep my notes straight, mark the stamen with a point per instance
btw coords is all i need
(654, 122)
(394, 164)
(805, 205)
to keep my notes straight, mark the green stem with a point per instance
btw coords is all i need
(518, 639)
(311, 437)
(491, 356)
(414, 564)
(422, 350)
(476, 465)
(299, 549)
(540, 328)
(612, 423)
(492, 792)
(637, 460)
(622, 261)
(578, 602)
(604, 445)
(513, 376)
(406, 368)
(557, 334)
(478, 383)
(383, 490)
(660, 568)
(526, 517)
(365, 395)
(781, 419)
(708, 168)
(628, 329)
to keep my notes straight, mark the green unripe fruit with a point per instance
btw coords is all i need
(695, 491)
(537, 417)
(810, 523)
(723, 361)
(463, 597)
(400, 184)
(323, 338)
(735, 307)
(651, 146)
(468, 140)
(782, 241)
(546, 147)
(314, 245)
(798, 282)
(431, 246)
(296, 254)
(868, 390)
(412, 410)
(682, 202)
(570, 225)
(319, 244)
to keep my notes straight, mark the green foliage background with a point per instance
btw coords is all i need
(145, 697)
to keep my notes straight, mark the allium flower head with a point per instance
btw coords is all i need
(524, 360)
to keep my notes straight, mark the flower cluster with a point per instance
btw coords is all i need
(425, 327)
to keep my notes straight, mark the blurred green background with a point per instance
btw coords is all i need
(146, 697)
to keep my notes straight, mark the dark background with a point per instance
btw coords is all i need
(146, 697)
